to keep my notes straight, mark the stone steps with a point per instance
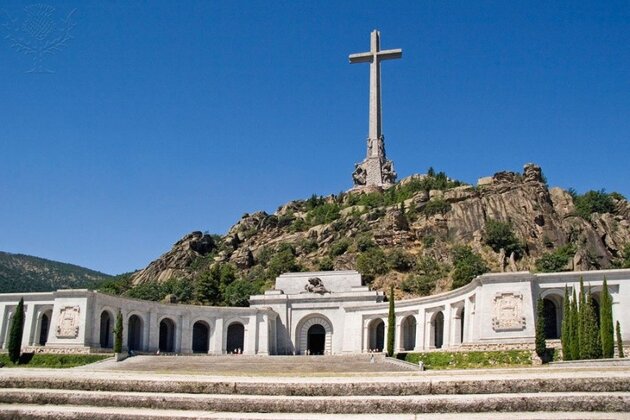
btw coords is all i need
(618, 402)
(23, 411)
(315, 387)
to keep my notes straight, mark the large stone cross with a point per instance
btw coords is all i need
(371, 173)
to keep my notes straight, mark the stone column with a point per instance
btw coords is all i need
(448, 326)
(420, 332)
(216, 344)
(151, 333)
(184, 336)
(263, 334)
(398, 341)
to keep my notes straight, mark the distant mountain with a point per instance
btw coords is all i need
(25, 273)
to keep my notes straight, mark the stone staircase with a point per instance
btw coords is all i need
(101, 392)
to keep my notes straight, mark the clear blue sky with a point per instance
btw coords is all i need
(166, 117)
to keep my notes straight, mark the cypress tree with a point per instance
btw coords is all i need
(566, 326)
(15, 333)
(118, 333)
(575, 323)
(391, 324)
(541, 346)
(619, 342)
(591, 344)
(581, 318)
(606, 323)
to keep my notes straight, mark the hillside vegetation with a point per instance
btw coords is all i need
(427, 234)
(24, 273)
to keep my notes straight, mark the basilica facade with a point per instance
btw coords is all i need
(314, 313)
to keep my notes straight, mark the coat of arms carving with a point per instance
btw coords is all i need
(68, 324)
(508, 312)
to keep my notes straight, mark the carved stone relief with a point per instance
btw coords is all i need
(68, 324)
(508, 312)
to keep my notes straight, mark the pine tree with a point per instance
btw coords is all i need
(541, 346)
(575, 327)
(391, 324)
(16, 332)
(118, 333)
(566, 326)
(606, 323)
(619, 341)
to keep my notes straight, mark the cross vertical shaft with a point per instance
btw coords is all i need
(375, 173)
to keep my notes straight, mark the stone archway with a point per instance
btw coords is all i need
(167, 336)
(235, 340)
(135, 329)
(304, 333)
(376, 335)
(200, 337)
(409, 333)
(44, 327)
(437, 330)
(107, 326)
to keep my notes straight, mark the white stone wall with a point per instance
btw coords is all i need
(493, 311)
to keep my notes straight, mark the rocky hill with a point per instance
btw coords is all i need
(24, 273)
(426, 234)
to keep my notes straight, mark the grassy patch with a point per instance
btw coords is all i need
(470, 360)
(52, 360)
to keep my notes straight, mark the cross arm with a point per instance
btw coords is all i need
(361, 58)
(389, 54)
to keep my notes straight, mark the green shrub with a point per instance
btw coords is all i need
(323, 214)
(499, 235)
(399, 260)
(340, 247)
(238, 292)
(364, 242)
(306, 246)
(557, 260)
(592, 202)
(467, 265)
(427, 272)
(46, 360)
(372, 263)
(283, 261)
(326, 264)
(435, 206)
(470, 360)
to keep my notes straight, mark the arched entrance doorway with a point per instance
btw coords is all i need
(438, 330)
(44, 326)
(167, 335)
(551, 321)
(316, 339)
(376, 333)
(235, 338)
(314, 335)
(200, 338)
(409, 333)
(134, 334)
(106, 339)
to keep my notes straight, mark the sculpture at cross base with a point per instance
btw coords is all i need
(375, 171)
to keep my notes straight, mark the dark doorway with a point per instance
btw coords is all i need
(438, 330)
(201, 333)
(106, 330)
(235, 338)
(409, 333)
(134, 335)
(316, 339)
(551, 326)
(377, 335)
(462, 322)
(43, 330)
(167, 335)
